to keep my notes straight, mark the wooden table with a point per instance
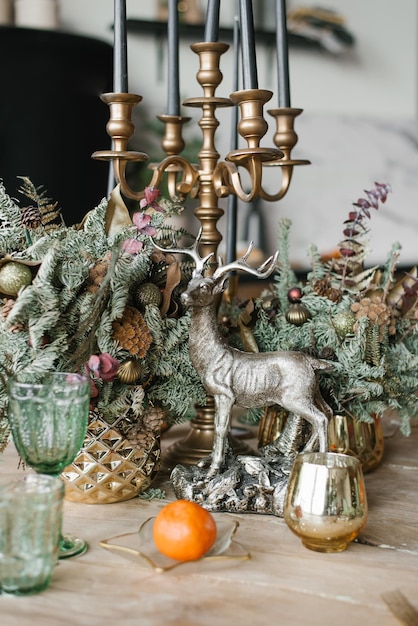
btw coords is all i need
(282, 582)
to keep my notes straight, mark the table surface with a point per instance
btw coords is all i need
(283, 582)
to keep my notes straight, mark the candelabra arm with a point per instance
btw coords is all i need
(119, 168)
(285, 139)
(120, 128)
(252, 127)
(171, 166)
(227, 179)
(287, 173)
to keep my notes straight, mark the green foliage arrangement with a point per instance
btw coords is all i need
(93, 303)
(363, 319)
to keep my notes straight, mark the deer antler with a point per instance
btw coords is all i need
(191, 251)
(263, 271)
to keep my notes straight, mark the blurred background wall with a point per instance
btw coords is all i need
(359, 121)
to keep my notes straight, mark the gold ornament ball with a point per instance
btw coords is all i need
(129, 371)
(14, 276)
(297, 314)
(344, 323)
(147, 293)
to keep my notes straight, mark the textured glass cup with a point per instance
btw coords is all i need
(326, 504)
(48, 421)
(30, 529)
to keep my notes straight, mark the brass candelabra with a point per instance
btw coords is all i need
(211, 180)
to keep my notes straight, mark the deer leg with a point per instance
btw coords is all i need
(324, 412)
(223, 408)
(311, 443)
(308, 403)
(303, 407)
(319, 423)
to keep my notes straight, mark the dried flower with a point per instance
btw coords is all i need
(142, 223)
(149, 201)
(378, 312)
(103, 366)
(132, 246)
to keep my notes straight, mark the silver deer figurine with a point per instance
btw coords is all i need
(246, 379)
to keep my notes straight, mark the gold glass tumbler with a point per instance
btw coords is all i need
(326, 504)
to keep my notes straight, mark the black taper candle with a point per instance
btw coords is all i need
(231, 216)
(249, 62)
(120, 55)
(282, 51)
(212, 20)
(173, 81)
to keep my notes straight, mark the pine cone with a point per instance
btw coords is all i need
(144, 432)
(378, 313)
(31, 217)
(153, 419)
(97, 274)
(324, 288)
(8, 305)
(158, 274)
(141, 439)
(132, 332)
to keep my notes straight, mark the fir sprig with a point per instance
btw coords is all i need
(364, 320)
(59, 321)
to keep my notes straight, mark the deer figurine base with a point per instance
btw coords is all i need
(248, 485)
(245, 484)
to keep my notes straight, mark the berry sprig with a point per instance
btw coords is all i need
(351, 249)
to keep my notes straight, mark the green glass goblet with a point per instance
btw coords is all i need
(48, 420)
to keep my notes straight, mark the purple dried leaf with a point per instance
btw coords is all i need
(374, 198)
(363, 203)
(356, 224)
(383, 189)
(351, 232)
(345, 252)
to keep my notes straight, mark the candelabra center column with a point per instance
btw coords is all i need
(198, 443)
(209, 76)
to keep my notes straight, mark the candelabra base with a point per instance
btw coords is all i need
(198, 443)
